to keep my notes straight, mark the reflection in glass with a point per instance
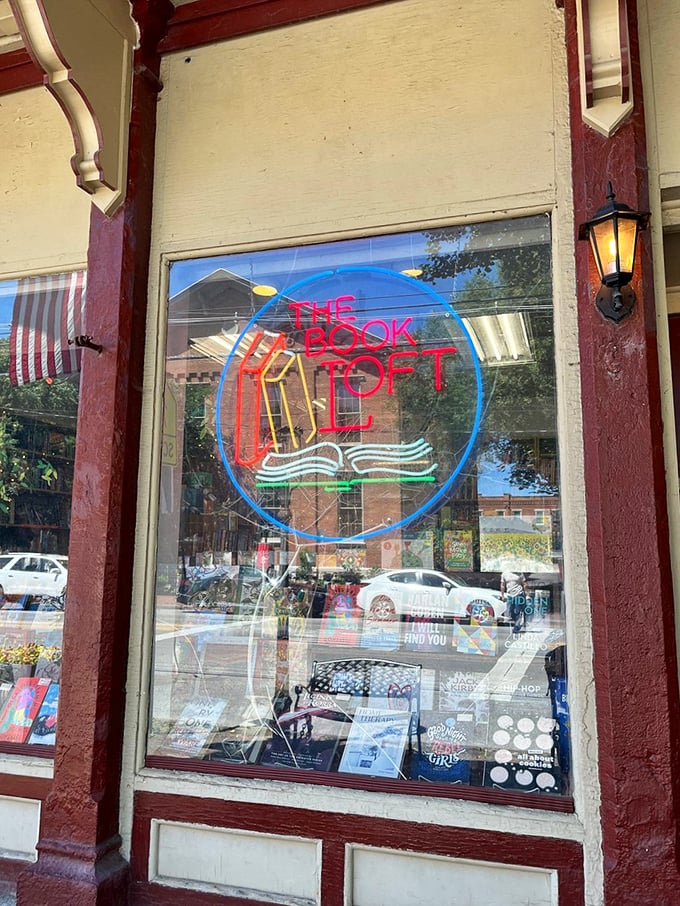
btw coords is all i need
(359, 543)
(38, 409)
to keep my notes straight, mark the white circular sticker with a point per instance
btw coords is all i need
(501, 737)
(545, 724)
(499, 774)
(504, 721)
(503, 756)
(544, 742)
(545, 780)
(524, 778)
(525, 725)
(521, 742)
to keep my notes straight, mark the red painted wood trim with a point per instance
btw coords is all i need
(24, 787)
(410, 787)
(563, 856)
(636, 682)
(10, 869)
(17, 71)
(79, 858)
(674, 339)
(208, 21)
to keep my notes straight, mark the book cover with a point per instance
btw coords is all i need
(341, 620)
(314, 752)
(475, 639)
(22, 708)
(445, 748)
(380, 634)
(44, 730)
(523, 748)
(191, 731)
(376, 743)
(424, 630)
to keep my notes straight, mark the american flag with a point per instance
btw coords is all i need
(48, 312)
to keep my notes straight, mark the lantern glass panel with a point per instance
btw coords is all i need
(628, 228)
(603, 241)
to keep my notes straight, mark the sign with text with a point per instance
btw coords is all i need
(358, 384)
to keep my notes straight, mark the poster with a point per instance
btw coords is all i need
(376, 743)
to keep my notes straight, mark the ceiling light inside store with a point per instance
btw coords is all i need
(501, 339)
(262, 289)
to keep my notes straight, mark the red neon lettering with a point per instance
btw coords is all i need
(339, 349)
(393, 369)
(325, 310)
(341, 309)
(381, 376)
(298, 306)
(330, 364)
(315, 336)
(368, 328)
(398, 329)
(438, 353)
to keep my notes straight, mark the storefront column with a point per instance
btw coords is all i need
(79, 861)
(638, 712)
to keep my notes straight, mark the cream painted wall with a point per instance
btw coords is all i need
(45, 216)
(408, 113)
(357, 120)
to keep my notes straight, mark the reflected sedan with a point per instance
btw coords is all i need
(428, 593)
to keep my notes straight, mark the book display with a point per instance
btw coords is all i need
(359, 550)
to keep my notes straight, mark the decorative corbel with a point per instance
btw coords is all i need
(604, 61)
(85, 48)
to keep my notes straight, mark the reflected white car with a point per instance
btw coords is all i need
(428, 593)
(33, 574)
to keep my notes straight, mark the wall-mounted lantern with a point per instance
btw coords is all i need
(613, 234)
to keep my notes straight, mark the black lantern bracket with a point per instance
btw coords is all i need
(613, 234)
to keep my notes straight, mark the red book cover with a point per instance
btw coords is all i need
(341, 621)
(22, 708)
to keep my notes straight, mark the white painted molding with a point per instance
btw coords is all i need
(604, 64)
(85, 48)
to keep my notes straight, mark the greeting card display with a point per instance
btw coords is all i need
(341, 621)
(21, 708)
(376, 743)
(44, 730)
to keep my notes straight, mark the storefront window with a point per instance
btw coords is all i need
(39, 378)
(359, 556)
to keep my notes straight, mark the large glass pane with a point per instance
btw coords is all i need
(359, 549)
(38, 410)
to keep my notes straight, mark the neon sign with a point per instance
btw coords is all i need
(317, 398)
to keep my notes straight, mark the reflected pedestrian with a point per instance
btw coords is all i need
(514, 593)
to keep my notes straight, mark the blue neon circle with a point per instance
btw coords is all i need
(428, 505)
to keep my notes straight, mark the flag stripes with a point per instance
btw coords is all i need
(48, 312)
